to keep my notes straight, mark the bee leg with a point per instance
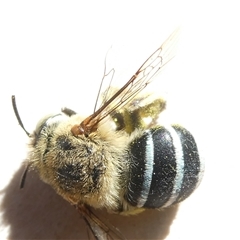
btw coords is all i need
(147, 115)
(154, 108)
(99, 229)
(139, 114)
(68, 111)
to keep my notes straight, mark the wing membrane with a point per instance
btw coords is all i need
(99, 229)
(136, 84)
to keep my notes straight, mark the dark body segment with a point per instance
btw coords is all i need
(164, 167)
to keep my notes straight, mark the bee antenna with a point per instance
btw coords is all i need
(17, 115)
(23, 178)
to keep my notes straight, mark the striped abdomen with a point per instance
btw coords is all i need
(165, 167)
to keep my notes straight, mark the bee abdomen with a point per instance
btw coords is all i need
(165, 167)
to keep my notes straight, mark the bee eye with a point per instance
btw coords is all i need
(47, 121)
(64, 143)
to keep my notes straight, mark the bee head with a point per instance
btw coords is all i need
(46, 125)
(48, 122)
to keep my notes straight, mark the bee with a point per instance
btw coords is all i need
(119, 158)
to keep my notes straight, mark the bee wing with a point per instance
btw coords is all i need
(142, 77)
(136, 84)
(106, 80)
(99, 229)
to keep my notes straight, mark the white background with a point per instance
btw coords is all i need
(52, 55)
